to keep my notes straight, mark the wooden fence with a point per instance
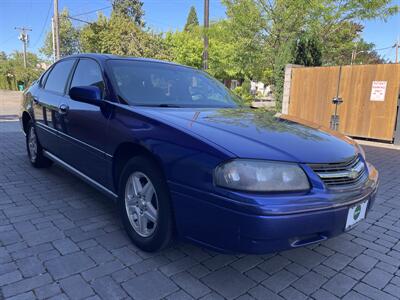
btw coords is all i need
(370, 95)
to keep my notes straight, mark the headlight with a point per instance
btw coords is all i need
(261, 176)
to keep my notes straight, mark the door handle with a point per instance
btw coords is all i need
(63, 109)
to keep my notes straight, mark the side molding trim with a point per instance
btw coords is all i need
(82, 176)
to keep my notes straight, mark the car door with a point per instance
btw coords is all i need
(46, 104)
(85, 125)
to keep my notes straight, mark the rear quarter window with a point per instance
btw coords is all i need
(44, 77)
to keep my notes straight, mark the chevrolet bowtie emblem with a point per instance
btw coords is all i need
(353, 173)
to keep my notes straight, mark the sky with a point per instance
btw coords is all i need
(160, 15)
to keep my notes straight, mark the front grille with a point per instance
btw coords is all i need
(342, 175)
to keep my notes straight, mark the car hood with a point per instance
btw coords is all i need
(260, 134)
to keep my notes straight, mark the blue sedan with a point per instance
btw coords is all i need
(182, 157)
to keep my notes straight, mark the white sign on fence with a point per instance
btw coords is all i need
(378, 90)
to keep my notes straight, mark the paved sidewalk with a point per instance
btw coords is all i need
(10, 104)
(61, 239)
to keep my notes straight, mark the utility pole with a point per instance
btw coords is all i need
(56, 30)
(24, 38)
(397, 49)
(53, 39)
(206, 26)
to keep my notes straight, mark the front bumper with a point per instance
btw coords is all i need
(229, 225)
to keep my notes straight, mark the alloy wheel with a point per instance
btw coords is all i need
(32, 144)
(141, 204)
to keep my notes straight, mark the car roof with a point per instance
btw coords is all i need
(104, 57)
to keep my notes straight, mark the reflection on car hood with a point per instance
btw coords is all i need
(259, 134)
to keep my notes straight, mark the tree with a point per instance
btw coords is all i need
(307, 51)
(338, 49)
(121, 36)
(186, 47)
(7, 80)
(192, 19)
(31, 72)
(132, 9)
(12, 69)
(278, 24)
(91, 36)
(244, 25)
(69, 37)
(3, 56)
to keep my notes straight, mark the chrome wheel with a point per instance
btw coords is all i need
(32, 144)
(141, 204)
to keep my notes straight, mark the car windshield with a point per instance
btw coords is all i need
(144, 83)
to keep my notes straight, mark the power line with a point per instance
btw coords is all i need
(390, 48)
(8, 39)
(92, 11)
(388, 53)
(79, 20)
(44, 25)
(380, 49)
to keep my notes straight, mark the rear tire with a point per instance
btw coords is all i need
(145, 205)
(34, 149)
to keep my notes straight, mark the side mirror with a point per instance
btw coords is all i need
(86, 94)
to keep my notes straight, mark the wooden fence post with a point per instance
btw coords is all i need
(286, 87)
(396, 138)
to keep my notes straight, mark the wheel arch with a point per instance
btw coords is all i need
(124, 153)
(127, 151)
(26, 117)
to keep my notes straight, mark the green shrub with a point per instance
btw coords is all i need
(244, 94)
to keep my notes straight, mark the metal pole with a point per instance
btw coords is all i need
(206, 26)
(338, 84)
(24, 37)
(53, 39)
(336, 101)
(56, 29)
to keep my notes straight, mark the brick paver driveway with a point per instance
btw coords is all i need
(60, 238)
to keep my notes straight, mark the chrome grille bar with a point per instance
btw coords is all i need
(345, 174)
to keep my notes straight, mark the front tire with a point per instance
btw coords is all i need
(145, 205)
(34, 149)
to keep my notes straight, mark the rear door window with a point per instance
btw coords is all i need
(58, 76)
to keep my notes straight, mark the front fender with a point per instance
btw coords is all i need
(185, 159)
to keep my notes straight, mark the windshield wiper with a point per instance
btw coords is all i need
(123, 100)
(167, 105)
(158, 105)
